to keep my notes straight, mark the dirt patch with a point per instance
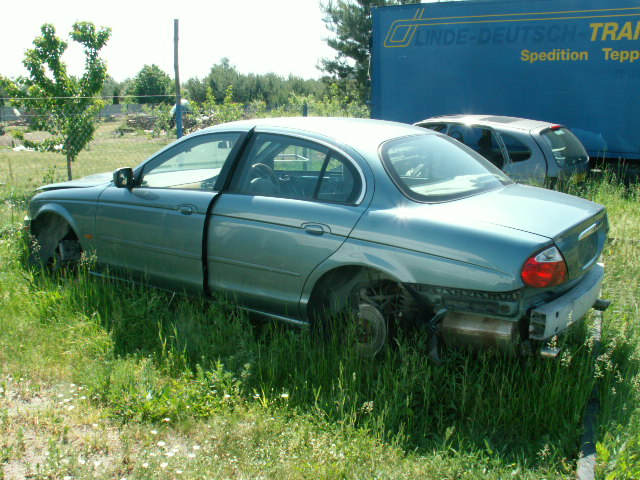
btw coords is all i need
(53, 432)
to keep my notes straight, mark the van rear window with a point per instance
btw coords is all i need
(566, 148)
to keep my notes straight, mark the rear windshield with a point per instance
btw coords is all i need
(566, 148)
(435, 168)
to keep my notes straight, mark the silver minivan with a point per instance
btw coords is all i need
(529, 151)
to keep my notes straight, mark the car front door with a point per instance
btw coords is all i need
(291, 203)
(154, 231)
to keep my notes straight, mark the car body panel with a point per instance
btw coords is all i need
(535, 169)
(76, 204)
(277, 241)
(167, 252)
(94, 180)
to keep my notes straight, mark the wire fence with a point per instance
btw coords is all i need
(39, 138)
(41, 145)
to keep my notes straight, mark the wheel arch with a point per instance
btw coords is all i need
(332, 289)
(53, 212)
(49, 227)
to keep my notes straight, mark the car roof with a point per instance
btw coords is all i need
(495, 121)
(355, 132)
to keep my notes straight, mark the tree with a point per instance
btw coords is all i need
(350, 21)
(112, 90)
(195, 90)
(220, 77)
(270, 88)
(152, 85)
(3, 95)
(61, 104)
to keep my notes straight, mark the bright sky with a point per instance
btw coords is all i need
(258, 36)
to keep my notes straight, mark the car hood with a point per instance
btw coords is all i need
(84, 182)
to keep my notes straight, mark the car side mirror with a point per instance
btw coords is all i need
(123, 177)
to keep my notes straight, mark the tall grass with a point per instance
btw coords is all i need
(145, 355)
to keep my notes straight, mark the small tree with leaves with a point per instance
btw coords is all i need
(61, 104)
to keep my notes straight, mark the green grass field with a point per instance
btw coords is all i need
(103, 380)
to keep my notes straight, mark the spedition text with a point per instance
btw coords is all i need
(555, 55)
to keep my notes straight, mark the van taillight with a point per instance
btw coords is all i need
(545, 269)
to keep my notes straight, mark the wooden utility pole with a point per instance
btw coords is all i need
(176, 69)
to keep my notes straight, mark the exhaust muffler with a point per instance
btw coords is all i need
(477, 332)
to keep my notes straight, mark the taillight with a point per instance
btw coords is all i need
(545, 269)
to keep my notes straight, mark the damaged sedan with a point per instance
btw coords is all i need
(304, 219)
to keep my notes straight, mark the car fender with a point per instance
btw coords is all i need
(84, 236)
(56, 209)
(409, 267)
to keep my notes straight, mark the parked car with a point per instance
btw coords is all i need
(302, 218)
(528, 151)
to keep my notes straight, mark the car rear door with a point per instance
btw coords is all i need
(154, 231)
(291, 203)
(480, 138)
(526, 161)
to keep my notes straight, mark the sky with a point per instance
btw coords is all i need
(258, 36)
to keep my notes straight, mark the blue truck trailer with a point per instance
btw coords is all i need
(574, 62)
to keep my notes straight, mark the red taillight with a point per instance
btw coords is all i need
(545, 269)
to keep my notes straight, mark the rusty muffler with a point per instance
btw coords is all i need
(477, 332)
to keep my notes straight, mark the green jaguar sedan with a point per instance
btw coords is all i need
(309, 219)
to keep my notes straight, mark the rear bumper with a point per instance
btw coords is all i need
(556, 316)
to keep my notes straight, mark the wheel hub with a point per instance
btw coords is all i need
(371, 332)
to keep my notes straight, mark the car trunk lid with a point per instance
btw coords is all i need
(578, 227)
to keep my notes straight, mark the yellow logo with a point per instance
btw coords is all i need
(402, 32)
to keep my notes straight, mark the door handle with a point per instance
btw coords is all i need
(314, 228)
(186, 209)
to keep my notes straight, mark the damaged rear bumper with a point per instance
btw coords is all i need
(556, 316)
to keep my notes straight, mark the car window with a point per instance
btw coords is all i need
(566, 148)
(482, 140)
(516, 150)
(436, 127)
(290, 167)
(434, 168)
(193, 164)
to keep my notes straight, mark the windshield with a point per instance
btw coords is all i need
(566, 148)
(435, 168)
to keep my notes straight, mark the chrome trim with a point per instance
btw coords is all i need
(590, 230)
